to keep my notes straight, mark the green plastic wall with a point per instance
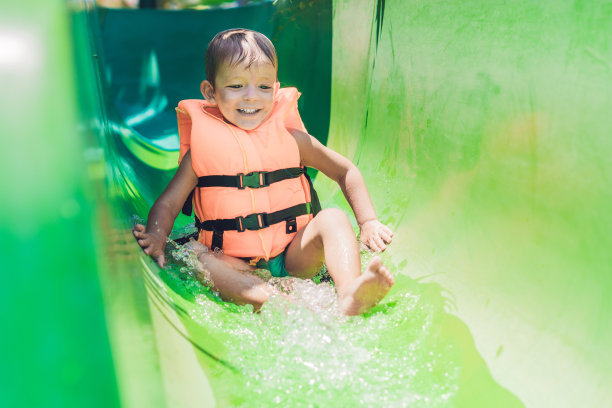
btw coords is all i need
(483, 130)
(54, 347)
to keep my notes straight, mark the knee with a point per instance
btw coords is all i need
(332, 217)
(205, 257)
(327, 224)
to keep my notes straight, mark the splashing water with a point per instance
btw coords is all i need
(187, 255)
(299, 351)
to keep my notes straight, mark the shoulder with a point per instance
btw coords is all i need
(190, 106)
(303, 139)
(310, 148)
(315, 154)
(288, 94)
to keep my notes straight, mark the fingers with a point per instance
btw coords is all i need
(377, 244)
(155, 253)
(141, 236)
(386, 234)
(150, 246)
(376, 236)
(374, 243)
(143, 240)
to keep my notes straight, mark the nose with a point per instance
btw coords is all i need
(250, 93)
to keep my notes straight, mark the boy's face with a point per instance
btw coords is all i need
(244, 95)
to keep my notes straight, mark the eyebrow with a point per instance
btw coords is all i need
(240, 76)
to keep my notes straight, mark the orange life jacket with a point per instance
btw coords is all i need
(253, 196)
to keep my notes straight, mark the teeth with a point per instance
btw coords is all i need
(248, 110)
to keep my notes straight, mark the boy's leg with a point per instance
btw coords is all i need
(329, 239)
(233, 279)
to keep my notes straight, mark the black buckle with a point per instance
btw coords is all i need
(251, 180)
(291, 226)
(252, 222)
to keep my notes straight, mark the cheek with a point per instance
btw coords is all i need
(223, 98)
(269, 102)
(226, 102)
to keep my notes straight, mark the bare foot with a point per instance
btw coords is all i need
(368, 289)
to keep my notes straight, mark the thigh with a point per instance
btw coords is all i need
(305, 257)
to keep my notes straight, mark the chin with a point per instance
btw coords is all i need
(248, 127)
(249, 123)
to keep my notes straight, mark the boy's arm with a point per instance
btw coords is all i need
(166, 208)
(374, 234)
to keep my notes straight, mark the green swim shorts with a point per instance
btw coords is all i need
(275, 265)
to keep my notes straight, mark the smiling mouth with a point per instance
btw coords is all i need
(249, 111)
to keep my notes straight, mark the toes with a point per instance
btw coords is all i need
(388, 276)
(375, 263)
(376, 266)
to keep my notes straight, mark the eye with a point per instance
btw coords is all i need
(265, 87)
(236, 86)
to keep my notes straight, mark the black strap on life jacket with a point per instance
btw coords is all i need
(254, 222)
(314, 197)
(255, 179)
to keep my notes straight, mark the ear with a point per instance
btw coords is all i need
(276, 87)
(208, 91)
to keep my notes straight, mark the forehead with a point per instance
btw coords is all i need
(260, 68)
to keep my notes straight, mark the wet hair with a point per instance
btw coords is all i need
(236, 46)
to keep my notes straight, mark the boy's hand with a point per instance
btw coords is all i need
(153, 244)
(375, 235)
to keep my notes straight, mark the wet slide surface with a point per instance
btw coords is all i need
(482, 134)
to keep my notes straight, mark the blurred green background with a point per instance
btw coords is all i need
(54, 344)
(482, 131)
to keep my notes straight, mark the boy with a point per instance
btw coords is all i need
(244, 149)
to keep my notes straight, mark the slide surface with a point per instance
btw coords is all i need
(483, 132)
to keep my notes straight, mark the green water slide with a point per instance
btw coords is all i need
(54, 348)
(482, 129)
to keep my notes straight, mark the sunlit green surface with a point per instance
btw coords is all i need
(483, 131)
(54, 348)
